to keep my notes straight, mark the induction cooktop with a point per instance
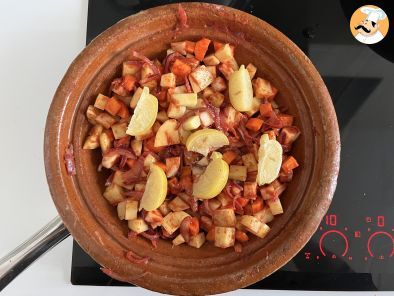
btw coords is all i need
(353, 247)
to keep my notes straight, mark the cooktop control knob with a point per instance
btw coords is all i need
(333, 242)
(380, 245)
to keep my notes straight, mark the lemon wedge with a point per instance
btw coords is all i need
(155, 189)
(205, 140)
(212, 181)
(270, 160)
(240, 90)
(145, 114)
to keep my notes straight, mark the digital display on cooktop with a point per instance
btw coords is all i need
(353, 247)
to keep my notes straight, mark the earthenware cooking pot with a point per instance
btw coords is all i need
(184, 270)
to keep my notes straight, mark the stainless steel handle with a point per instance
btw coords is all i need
(22, 256)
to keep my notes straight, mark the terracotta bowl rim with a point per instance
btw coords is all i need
(58, 180)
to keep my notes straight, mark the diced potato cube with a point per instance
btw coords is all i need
(200, 78)
(185, 99)
(207, 92)
(149, 159)
(177, 204)
(251, 70)
(130, 68)
(127, 210)
(162, 116)
(173, 220)
(109, 161)
(136, 146)
(211, 60)
(263, 89)
(164, 209)
(101, 101)
(105, 120)
(179, 47)
(139, 187)
(275, 206)
(178, 240)
(250, 190)
(216, 99)
(168, 80)
(183, 135)
(224, 199)
(212, 69)
(181, 89)
(238, 172)
(121, 209)
(224, 236)
(105, 142)
(214, 204)
(119, 130)
(172, 165)
(251, 223)
(92, 113)
(206, 119)
(219, 84)
(192, 123)
(175, 111)
(197, 241)
(200, 104)
(255, 107)
(263, 231)
(138, 225)
(136, 97)
(114, 194)
(224, 53)
(168, 134)
(250, 162)
(264, 215)
(91, 142)
(154, 217)
(224, 217)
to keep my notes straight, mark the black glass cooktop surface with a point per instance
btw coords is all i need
(353, 248)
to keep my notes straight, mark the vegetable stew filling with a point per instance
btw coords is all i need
(196, 146)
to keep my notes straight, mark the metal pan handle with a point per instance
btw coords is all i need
(12, 264)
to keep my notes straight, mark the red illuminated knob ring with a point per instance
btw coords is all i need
(375, 234)
(333, 231)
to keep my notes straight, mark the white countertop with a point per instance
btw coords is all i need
(39, 39)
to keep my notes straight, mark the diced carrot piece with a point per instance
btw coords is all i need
(194, 226)
(218, 45)
(241, 236)
(254, 124)
(211, 235)
(131, 162)
(123, 111)
(290, 163)
(161, 165)
(257, 205)
(201, 48)
(149, 145)
(129, 82)
(242, 201)
(285, 177)
(286, 119)
(113, 106)
(180, 68)
(265, 109)
(229, 156)
(189, 46)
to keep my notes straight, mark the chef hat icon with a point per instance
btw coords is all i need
(374, 14)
